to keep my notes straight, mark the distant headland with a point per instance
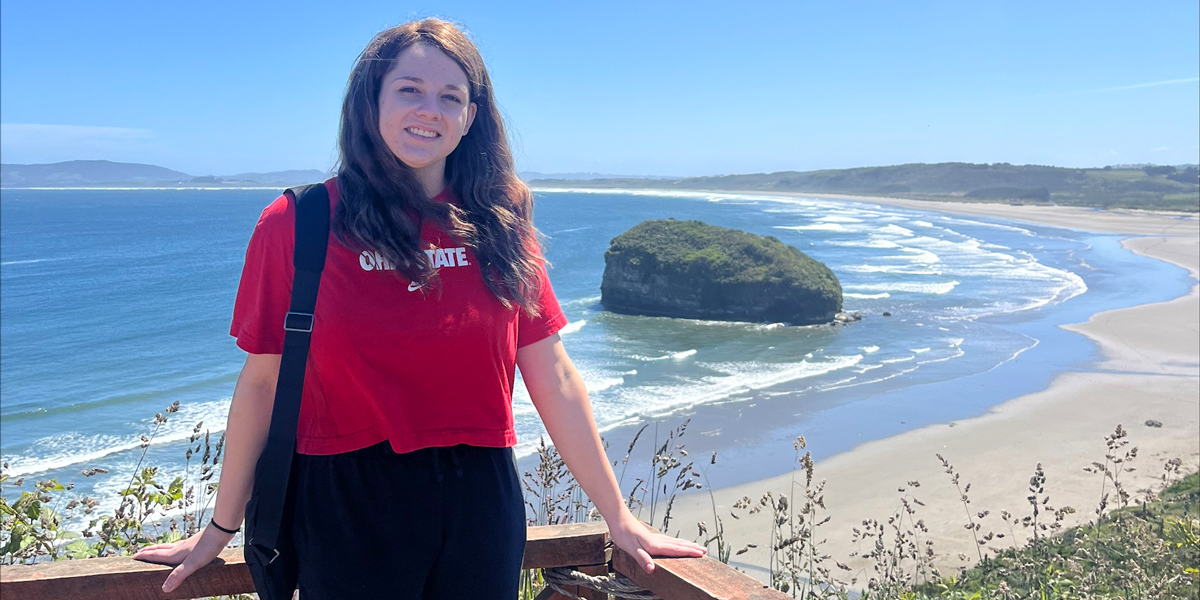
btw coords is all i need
(109, 174)
(1145, 187)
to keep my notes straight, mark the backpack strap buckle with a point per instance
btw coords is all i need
(298, 322)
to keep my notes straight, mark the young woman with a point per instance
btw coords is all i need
(434, 288)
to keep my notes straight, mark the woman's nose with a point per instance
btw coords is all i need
(428, 107)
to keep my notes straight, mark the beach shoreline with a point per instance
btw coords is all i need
(1149, 369)
(1080, 218)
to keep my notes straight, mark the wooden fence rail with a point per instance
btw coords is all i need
(580, 545)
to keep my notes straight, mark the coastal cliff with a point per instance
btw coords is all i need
(689, 269)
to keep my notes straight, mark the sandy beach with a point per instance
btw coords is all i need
(1150, 370)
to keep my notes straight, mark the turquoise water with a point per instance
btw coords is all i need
(116, 303)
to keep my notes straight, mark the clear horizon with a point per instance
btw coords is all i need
(559, 174)
(621, 89)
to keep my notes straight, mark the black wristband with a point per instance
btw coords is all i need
(214, 524)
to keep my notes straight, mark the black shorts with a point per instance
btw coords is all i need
(434, 524)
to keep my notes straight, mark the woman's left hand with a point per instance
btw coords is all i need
(630, 535)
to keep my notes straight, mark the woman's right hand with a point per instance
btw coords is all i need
(190, 554)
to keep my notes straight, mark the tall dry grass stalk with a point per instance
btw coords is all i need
(1125, 552)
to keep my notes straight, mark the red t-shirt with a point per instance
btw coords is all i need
(387, 363)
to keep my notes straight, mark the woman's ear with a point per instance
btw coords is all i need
(471, 108)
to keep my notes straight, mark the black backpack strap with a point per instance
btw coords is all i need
(274, 465)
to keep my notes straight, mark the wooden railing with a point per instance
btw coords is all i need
(581, 546)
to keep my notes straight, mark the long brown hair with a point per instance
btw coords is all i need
(383, 204)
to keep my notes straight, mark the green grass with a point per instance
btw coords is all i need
(1144, 551)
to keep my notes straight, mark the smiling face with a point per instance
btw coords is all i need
(424, 110)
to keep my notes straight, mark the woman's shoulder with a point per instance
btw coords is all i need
(285, 205)
(278, 219)
(282, 211)
(278, 209)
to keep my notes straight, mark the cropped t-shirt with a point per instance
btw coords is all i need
(386, 361)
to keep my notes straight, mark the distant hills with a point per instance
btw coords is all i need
(1125, 186)
(1145, 187)
(532, 175)
(104, 173)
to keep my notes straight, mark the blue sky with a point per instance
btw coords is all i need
(646, 88)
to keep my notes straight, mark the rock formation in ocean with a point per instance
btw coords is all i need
(688, 269)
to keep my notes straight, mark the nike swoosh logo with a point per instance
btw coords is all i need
(414, 286)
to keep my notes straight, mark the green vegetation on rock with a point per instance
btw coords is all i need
(692, 270)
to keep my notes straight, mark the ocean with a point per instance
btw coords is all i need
(116, 303)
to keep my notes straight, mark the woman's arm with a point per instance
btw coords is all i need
(558, 393)
(245, 437)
